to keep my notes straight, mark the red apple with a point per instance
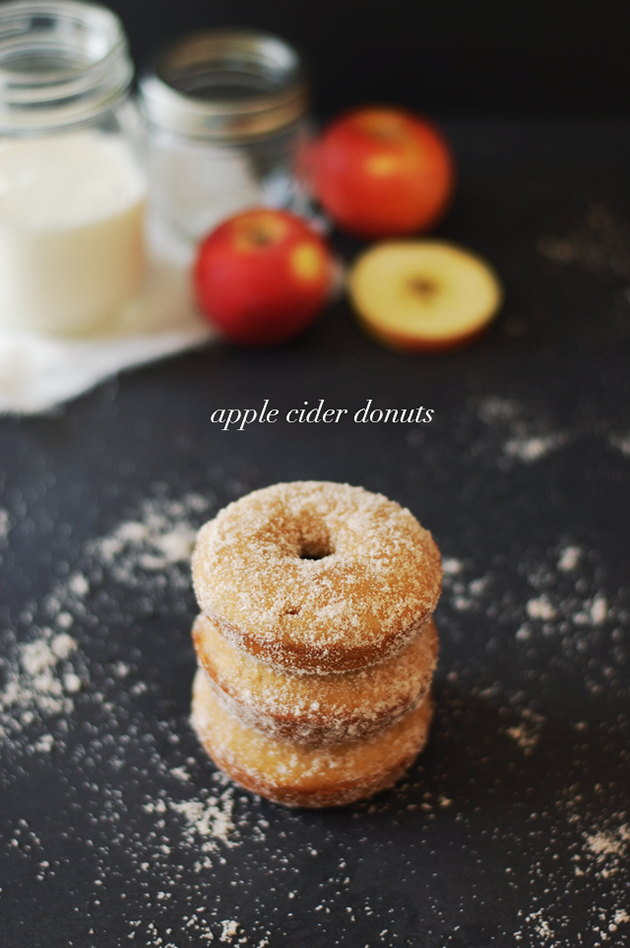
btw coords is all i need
(262, 276)
(383, 172)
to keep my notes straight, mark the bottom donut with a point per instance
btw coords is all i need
(300, 776)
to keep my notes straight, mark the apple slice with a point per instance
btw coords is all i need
(423, 295)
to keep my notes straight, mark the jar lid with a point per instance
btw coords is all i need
(62, 63)
(226, 86)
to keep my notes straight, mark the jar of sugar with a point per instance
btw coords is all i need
(72, 192)
(226, 119)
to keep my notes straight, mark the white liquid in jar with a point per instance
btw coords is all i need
(71, 231)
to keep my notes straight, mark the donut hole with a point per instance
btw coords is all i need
(315, 548)
(314, 542)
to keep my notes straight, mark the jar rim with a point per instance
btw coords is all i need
(230, 86)
(62, 63)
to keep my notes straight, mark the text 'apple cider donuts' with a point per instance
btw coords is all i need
(316, 643)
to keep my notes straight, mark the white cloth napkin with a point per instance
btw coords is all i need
(38, 372)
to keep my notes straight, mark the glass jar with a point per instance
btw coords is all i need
(72, 192)
(226, 117)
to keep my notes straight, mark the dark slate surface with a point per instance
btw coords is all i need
(450, 56)
(513, 828)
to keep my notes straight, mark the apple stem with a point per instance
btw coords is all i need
(260, 237)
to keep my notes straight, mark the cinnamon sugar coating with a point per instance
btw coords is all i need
(317, 709)
(296, 775)
(317, 577)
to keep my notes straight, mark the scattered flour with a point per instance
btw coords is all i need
(540, 927)
(621, 442)
(527, 734)
(524, 737)
(5, 525)
(209, 820)
(532, 448)
(162, 536)
(567, 620)
(558, 603)
(513, 432)
(609, 847)
(599, 610)
(46, 668)
(570, 556)
(540, 608)
(176, 839)
(601, 856)
(451, 566)
(600, 243)
(40, 681)
(493, 409)
(229, 930)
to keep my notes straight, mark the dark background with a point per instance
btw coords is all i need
(445, 56)
(477, 848)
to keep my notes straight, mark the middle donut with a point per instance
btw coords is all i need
(317, 709)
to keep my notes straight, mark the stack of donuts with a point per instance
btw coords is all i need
(316, 643)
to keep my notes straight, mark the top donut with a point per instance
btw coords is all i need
(317, 577)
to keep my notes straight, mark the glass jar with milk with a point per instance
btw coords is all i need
(72, 193)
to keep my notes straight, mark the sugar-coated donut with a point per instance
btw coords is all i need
(317, 577)
(297, 775)
(317, 709)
